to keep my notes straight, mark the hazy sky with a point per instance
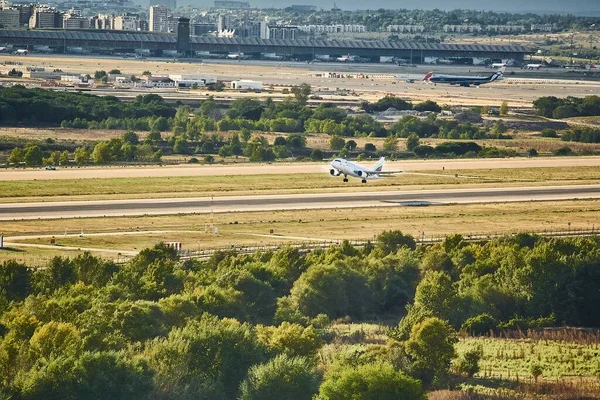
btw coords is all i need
(572, 6)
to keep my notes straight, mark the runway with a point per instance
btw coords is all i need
(204, 205)
(289, 168)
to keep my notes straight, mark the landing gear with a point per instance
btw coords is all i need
(364, 181)
(345, 178)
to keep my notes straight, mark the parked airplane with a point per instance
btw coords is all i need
(3, 49)
(21, 52)
(340, 166)
(234, 56)
(533, 66)
(465, 81)
(346, 58)
(500, 65)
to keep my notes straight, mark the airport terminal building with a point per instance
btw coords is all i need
(157, 44)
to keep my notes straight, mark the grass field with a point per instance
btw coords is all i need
(254, 228)
(198, 186)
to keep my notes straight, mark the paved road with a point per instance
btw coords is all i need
(296, 168)
(205, 205)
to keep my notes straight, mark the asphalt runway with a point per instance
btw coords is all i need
(136, 207)
(286, 168)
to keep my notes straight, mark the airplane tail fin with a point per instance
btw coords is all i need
(498, 74)
(379, 166)
(429, 75)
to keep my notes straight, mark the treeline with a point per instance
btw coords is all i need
(433, 20)
(581, 134)
(251, 326)
(126, 148)
(554, 107)
(39, 106)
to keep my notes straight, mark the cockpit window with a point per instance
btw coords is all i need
(337, 160)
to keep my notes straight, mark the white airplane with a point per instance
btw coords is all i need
(346, 58)
(234, 56)
(3, 49)
(340, 166)
(21, 52)
(500, 65)
(533, 66)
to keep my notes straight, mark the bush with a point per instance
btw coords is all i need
(563, 151)
(479, 325)
(282, 378)
(193, 160)
(549, 133)
(316, 155)
(468, 363)
(378, 381)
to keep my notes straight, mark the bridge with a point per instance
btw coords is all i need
(156, 43)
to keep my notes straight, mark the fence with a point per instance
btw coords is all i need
(421, 239)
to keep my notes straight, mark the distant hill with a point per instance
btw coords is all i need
(577, 7)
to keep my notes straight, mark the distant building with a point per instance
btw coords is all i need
(128, 22)
(406, 28)
(224, 22)
(231, 4)
(244, 84)
(304, 8)
(183, 36)
(543, 27)
(332, 28)
(73, 21)
(155, 82)
(183, 81)
(504, 28)
(16, 16)
(200, 29)
(462, 28)
(158, 19)
(44, 17)
(282, 32)
(103, 21)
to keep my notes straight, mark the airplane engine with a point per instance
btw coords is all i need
(334, 172)
(359, 173)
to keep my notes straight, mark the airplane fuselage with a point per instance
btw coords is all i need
(348, 168)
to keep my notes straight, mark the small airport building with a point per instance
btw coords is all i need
(244, 84)
(187, 81)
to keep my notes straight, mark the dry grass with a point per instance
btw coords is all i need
(204, 186)
(253, 228)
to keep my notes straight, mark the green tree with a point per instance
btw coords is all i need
(15, 280)
(391, 241)
(431, 349)
(290, 339)
(64, 158)
(33, 156)
(282, 378)
(101, 153)
(17, 156)
(301, 92)
(130, 137)
(468, 362)
(316, 155)
(378, 381)
(82, 155)
(504, 108)
(99, 75)
(181, 146)
(390, 144)
(370, 148)
(336, 142)
(207, 358)
(536, 370)
(412, 141)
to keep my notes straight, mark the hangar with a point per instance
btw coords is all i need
(305, 49)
